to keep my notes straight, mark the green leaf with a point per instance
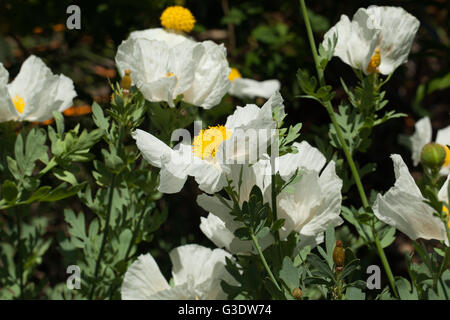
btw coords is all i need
(405, 290)
(354, 294)
(289, 274)
(388, 237)
(9, 191)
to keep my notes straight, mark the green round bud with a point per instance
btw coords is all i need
(433, 155)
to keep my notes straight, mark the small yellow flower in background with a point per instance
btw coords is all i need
(58, 27)
(177, 18)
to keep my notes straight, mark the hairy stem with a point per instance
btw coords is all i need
(263, 259)
(108, 217)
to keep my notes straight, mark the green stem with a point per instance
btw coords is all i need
(19, 248)
(385, 263)
(343, 143)
(263, 259)
(108, 217)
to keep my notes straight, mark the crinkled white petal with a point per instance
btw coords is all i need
(403, 207)
(143, 279)
(398, 29)
(420, 138)
(307, 158)
(357, 39)
(175, 167)
(329, 209)
(443, 192)
(211, 82)
(202, 266)
(7, 110)
(249, 88)
(170, 38)
(152, 148)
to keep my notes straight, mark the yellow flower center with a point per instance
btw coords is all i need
(444, 209)
(19, 103)
(207, 142)
(447, 157)
(374, 62)
(170, 74)
(177, 18)
(234, 74)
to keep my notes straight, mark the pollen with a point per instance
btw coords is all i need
(445, 210)
(234, 74)
(374, 62)
(170, 74)
(19, 103)
(177, 18)
(208, 141)
(447, 156)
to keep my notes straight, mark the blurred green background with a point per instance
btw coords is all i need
(265, 40)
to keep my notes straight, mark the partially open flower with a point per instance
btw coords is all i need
(403, 206)
(376, 40)
(35, 93)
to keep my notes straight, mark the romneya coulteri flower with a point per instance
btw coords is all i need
(165, 64)
(376, 40)
(403, 206)
(308, 205)
(35, 93)
(248, 132)
(423, 136)
(197, 272)
(249, 88)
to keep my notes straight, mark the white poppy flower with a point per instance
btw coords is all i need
(378, 39)
(249, 131)
(403, 206)
(308, 205)
(197, 272)
(423, 136)
(164, 65)
(35, 93)
(249, 88)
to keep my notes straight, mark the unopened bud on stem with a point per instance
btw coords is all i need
(433, 155)
(339, 254)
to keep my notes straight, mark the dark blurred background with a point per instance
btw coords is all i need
(265, 40)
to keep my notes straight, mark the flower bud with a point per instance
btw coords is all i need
(297, 293)
(126, 80)
(339, 254)
(433, 155)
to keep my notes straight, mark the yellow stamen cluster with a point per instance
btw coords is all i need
(445, 210)
(207, 142)
(170, 74)
(177, 18)
(234, 74)
(447, 157)
(19, 103)
(374, 62)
